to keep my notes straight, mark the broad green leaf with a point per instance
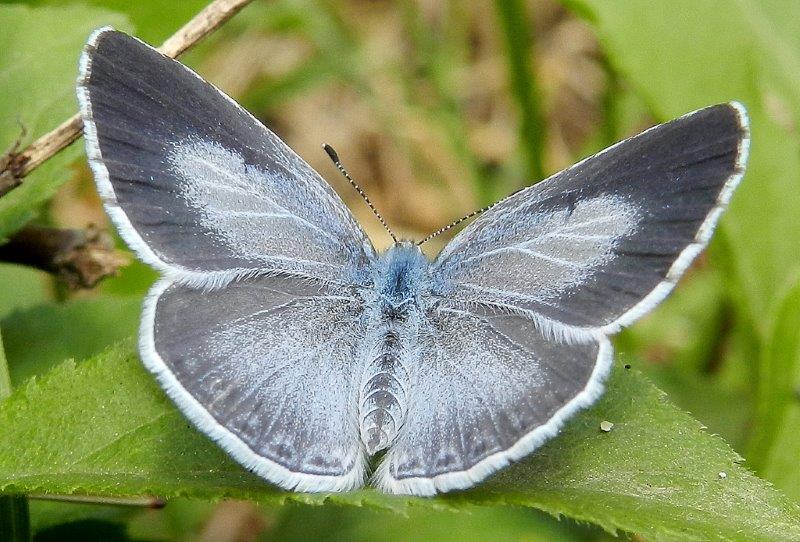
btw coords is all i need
(41, 337)
(683, 55)
(777, 446)
(39, 51)
(31, 287)
(338, 523)
(780, 367)
(103, 427)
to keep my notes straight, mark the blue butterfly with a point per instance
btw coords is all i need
(283, 335)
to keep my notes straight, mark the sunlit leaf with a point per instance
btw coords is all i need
(103, 427)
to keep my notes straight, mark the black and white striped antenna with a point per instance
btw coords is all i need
(455, 223)
(338, 163)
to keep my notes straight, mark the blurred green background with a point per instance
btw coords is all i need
(437, 108)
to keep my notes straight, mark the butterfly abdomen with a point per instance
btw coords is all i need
(383, 395)
(386, 378)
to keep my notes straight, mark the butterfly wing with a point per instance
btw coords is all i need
(596, 246)
(264, 367)
(487, 391)
(244, 332)
(198, 187)
(516, 341)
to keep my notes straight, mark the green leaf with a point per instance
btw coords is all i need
(776, 446)
(103, 427)
(75, 329)
(39, 51)
(518, 39)
(683, 55)
(777, 381)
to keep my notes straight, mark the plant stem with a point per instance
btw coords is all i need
(21, 164)
(80, 258)
(515, 24)
(14, 518)
(5, 375)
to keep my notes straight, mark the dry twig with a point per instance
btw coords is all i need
(15, 166)
(81, 258)
(78, 257)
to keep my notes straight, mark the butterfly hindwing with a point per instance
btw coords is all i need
(198, 187)
(487, 390)
(265, 367)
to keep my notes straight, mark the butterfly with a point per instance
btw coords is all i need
(283, 335)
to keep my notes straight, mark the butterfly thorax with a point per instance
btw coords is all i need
(401, 274)
(400, 279)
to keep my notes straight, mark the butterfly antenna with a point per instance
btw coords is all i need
(455, 223)
(338, 163)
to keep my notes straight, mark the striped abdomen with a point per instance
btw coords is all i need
(383, 396)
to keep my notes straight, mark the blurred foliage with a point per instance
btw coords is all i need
(37, 81)
(436, 108)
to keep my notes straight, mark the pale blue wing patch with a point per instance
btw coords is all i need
(569, 243)
(199, 188)
(486, 391)
(265, 367)
(265, 217)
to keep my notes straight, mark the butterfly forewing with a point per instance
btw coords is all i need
(594, 247)
(258, 360)
(526, 295)
(196, 185)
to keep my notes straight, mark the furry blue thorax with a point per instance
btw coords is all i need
(401, 274)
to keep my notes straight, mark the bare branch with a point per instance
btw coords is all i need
(204, 23)
(78, 257)
(15, 166)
